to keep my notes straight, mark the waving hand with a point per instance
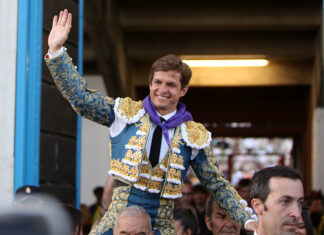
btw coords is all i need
(60, 31)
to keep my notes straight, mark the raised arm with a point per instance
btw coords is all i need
(60, 31)
(86, 102)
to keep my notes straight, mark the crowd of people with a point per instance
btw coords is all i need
(276, 195)
(277, 198)
(154, 142)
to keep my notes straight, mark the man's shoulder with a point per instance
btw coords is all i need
(129, 110)
(195, 134)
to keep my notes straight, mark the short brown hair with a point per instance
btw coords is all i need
(260, 181)
(174, 63)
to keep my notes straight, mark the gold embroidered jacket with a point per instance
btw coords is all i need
(129, 162)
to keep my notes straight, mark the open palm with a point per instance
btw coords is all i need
(60, 31)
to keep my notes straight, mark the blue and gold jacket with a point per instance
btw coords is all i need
(129, 161)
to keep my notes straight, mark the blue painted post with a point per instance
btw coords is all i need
(78, 144)
(28, 92)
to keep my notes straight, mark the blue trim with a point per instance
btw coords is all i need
(78, 141)
(28, 92)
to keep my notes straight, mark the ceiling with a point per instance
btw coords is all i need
(124, 37)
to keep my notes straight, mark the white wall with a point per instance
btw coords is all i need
(318, 149)
(8, 51)
(94, 150)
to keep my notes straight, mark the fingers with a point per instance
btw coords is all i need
(69, 20)
(64, 18)
(60, 18)
(54, 21)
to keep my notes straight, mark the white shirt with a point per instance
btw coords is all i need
(118, 125)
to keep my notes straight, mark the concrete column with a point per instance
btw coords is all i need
(95, 152)
(8, 52)
(318, 150)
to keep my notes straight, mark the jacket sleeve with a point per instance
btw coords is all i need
(87, 103)
(206, 168)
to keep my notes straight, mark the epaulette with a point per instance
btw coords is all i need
(195, 135)
(128, 110)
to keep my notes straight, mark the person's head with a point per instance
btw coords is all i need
(244, 189)
(28, 196)
(168, 81)
(315, 201)
(305, 226)
(76, 219)
(277, 197)
(185, 221)
(133, 220)
(98, 191)
(217, 221)
(186, 199)
(200, 195)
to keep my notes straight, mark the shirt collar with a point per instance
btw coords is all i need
(169, 115)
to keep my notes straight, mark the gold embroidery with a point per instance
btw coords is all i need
(144, 127)
(140, 142)
(132, 140)
(129, 107)
(155, 185)
(172, 191)
(197, 133)
(123, 170)
(166, 223)
(145, 169)
(177, 160)
(174, 176)
(143, 181)
(159, 173)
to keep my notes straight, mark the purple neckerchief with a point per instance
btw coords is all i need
(180, 117)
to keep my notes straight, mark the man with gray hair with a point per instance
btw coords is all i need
(217, 221)
(133, 220)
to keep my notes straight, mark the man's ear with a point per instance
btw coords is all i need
(257, 206)
(207, 219)
(184, 91)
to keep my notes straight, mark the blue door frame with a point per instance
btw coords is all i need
(28, 94)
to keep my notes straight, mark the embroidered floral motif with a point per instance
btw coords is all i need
(89, 104)
(174, 176)
(131, 158)
(119, 202)
(195, 135)
(120, 169)
(164, 164)
(143, 130)
(222, 191)
(172, 191)
(142, 183)
(165, 223)
(128, 110)
(136, 143)
(177, 161)
(158, 174)
(155, 187)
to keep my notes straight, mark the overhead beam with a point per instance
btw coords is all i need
(270, 44)
(157, 15)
